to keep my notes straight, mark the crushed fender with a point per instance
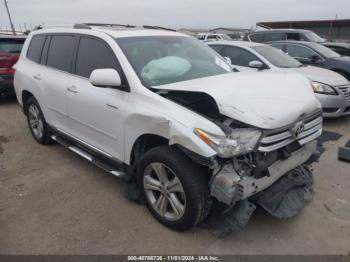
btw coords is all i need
(288, 196)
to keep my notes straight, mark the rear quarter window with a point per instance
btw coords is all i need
(35, 48)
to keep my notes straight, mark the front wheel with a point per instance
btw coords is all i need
(175, 188)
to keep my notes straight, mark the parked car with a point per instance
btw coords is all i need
(332, 89)
(342, 49)
(283, 34)
(163, 109)
(213, 37)
(317, 55)
(10, 48)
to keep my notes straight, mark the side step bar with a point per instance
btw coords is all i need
(90, 157)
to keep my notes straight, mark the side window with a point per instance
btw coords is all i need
(293, 36)
(239, 56)
(61, 52)
(94, 54)
(259, 38)
(219, 49)
(274, 37)
(211, 37)
(278, 46)
(35, 48)
(300, 51)
(201, 37)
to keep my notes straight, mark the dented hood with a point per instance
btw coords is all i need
(265, 100)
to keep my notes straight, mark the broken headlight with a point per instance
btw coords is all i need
(241, 141)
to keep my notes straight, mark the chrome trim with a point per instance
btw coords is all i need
(276, 139)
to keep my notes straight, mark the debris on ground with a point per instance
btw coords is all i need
(344, 152)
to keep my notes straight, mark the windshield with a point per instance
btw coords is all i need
(160, 60)
(325, 51)
(311, 36)
(11, 46)
(276, 57)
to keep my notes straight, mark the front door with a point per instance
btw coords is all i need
(96, 114)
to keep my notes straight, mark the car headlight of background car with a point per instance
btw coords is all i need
(241, 141)
(321, 88)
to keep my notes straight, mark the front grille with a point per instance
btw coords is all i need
(345, 90)
(276, 139)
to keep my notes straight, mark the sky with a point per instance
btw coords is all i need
(201, 14)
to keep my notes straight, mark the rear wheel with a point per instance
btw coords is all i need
(36, 121)
(175, 188)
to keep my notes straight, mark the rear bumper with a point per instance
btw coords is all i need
(6, 85)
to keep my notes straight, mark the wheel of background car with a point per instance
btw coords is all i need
(36, 121)
(174, 187)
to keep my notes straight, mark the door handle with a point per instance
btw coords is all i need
(72, 89)
(37, 77)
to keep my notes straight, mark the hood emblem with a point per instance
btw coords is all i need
(298, 128)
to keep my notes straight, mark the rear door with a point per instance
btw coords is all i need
(96, 114)
(57, 55)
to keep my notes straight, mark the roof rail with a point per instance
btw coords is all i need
(158, 27)
(109, 25)
(81, 26)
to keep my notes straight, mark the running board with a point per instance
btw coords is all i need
(90, 157)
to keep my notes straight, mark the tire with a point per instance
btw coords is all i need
(185, 185)
(36, 122)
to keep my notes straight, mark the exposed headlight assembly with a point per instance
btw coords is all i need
(321, 88)
(241, 141)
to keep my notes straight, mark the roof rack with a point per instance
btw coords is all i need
(90, 25)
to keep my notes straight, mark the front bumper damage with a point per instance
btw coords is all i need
(282, 193)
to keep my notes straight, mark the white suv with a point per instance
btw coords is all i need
(164, 110)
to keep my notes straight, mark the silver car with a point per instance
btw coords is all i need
(332, 89)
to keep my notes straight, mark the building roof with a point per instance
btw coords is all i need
(302, 24)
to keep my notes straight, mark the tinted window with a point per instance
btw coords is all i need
(298, 51)
(277, 45)
(11, 45)
(276, 57)
(35, 48)
(93, 54)
(218, 48)
(293, 36)
(339, 50)
(212, 37)
(61, 52)
(325, 51)
(239, 56)
(259, 38)
(201, 37)
(274, 37)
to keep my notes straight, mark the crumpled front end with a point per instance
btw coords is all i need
(275, 176)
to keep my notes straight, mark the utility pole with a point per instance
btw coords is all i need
(8, 12)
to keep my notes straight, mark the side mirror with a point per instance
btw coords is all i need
(256, 64)
(228, 60)
(106, 77)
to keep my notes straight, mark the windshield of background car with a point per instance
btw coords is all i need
(311, 36)
(160, 60)
(226, 37)
(277, 57)
(11, 46)
(325, 51)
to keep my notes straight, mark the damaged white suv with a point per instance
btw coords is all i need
(164, 110)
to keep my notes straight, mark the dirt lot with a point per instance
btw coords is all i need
(54, 202)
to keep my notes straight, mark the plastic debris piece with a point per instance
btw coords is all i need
(221, 223)
(289, 195)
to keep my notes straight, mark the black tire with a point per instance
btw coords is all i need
(193, 178)
(45, 138)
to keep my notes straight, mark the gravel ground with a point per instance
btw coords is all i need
(54, 202)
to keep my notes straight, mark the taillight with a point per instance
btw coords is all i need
(7, 61)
